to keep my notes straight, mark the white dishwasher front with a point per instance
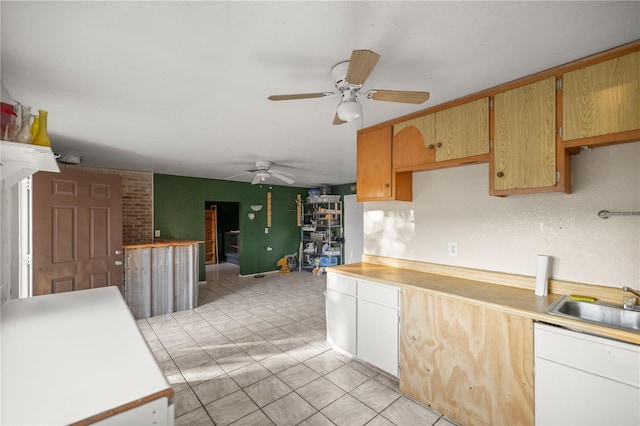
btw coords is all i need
(582, 379)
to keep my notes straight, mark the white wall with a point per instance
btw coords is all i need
(505, 234)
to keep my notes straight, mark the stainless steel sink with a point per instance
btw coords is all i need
(600, 313)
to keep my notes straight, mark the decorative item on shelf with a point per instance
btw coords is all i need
(42, 137)
(24, 136)
(9, 120)
(35, 126)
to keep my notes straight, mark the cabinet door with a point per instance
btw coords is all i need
(414, 142)
(602, 99)
(471, 363)
(374, 175)
(462, 131)
(377, 331)
(341, 321)
(524, 151)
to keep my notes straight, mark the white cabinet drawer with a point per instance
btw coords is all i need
(596, 355)
(379, 293)
(341, 284)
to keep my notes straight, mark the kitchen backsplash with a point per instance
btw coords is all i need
(506, 234)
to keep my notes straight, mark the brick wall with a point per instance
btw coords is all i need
(137, 203)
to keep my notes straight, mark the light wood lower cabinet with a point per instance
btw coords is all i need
(470, 363)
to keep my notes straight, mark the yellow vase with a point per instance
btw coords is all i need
(34, 127)
(42, 137)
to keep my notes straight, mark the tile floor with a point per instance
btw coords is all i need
(255, 353)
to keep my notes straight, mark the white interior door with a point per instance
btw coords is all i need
(353, 229)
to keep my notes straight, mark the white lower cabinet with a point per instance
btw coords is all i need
(582, 379)
(363, 320)
(377, 325)
(341, 313)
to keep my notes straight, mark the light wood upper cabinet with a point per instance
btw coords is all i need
(375, 178)
(463, 131)
(471, 363)
(412, 142)
(602, 99)
(454, 133)
(524, 150)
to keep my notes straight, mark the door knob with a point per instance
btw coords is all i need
(118, 262)
(118, 252)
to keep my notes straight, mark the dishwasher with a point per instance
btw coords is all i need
(582, 379)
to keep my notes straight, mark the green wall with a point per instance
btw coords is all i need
(179, 204)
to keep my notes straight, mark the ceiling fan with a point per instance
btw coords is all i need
(349, 77)
(263, 171)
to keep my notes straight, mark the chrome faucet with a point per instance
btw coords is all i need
(630, 302)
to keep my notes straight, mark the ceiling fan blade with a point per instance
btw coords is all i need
(360, 66)
(235, 176)
(280, 172)
(407, 97)
(337, 121)
(256, 179)
(300, 96)
(282, 178)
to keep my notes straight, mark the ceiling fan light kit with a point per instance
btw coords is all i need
(348, 78)
(349, 108)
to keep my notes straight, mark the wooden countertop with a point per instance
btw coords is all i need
(74, 357)
(162, 243)
(505, 298)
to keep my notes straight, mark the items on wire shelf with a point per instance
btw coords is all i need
(321, 233)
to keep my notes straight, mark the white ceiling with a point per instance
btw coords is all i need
(181, 87)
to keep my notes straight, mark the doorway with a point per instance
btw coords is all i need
(227, 227)
(211, 236)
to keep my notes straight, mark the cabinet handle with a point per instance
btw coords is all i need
(439, 144)
(500, 174)
(430, 146)
(386, 185)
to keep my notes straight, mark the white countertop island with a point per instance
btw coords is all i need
(78, 357)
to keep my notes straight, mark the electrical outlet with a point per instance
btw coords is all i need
(452, 248)
(157, 233)
(266, 230)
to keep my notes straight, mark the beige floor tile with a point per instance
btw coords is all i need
(298, 375)
(262, 351)
(278, 362)
(348, 411)
(192, 360)
(289, 410)
(320, 393)
(230, 408)
(249, 374)
(215, 389)
(347, 378)
(375, 395)
(198, 417)
(267, 390)
(235, 361)
(406, 412)
(202, 373)
(257, 418)
(324, 363)
(317, 419)
(388, 381)
(379, 420)
(304, 352)
(185, 401)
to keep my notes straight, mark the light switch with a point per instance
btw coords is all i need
(157, 233)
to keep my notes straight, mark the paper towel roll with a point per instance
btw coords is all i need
(542, 275)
